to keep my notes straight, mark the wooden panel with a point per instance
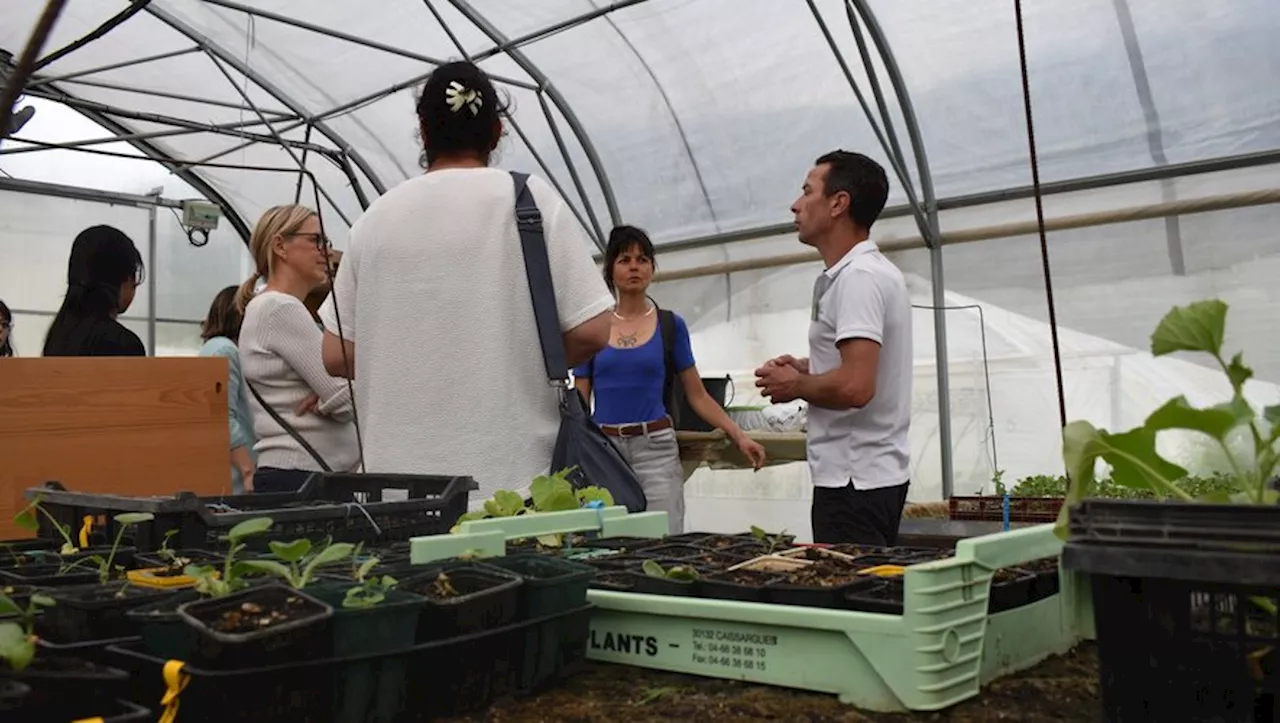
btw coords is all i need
(126, 425)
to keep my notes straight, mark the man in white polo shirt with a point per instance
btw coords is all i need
(857, 378)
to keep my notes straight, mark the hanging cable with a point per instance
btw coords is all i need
(1035, 185)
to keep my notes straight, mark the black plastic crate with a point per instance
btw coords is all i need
(1184, 598)
(440, 678)
(348, 507)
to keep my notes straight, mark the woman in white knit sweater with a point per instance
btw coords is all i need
(296, 403)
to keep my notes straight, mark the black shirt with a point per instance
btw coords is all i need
(95, 337)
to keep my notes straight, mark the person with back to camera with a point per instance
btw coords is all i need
(857, 378)
(302, 416)
(632, 379)
(220, 332)
(6, 331)
(103, 274)
(437, 326)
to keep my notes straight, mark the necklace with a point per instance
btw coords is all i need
(623, 318)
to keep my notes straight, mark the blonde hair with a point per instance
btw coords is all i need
(277, 221)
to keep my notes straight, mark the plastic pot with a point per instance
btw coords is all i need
(93, 612)
(726, 585)
(304, 634)
(45, 576)
(66, 688)
(163, 631)
(1010, 588)
(551, 585)
(479, 598)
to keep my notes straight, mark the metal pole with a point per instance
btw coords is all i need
(277, 115)
(150, 135)
(151, 276)
(588, 148)
(573, 172)
(40, 188)
(933, 232)
(107, 26)
(537, 157)
(573, 22)
(113, 66)
(17, 79)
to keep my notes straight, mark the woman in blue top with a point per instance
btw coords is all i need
(628, 378)
(221, 332)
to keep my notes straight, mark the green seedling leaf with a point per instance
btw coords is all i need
(16, 646)
(366, 567)
(1135, 463)
(255, 526)
(270, 567)
(545, 488)
(134, 518)
(561, 500)
(290, 551)
(682, 572)
(509, 503)
(332, 553)
(42, 600)
(550, 540)
(653, 569)
(26, 518)
(1196, 327)
(1238, 373)
(595, 494)
(9, 607)
(1216, 422)
(758, 533)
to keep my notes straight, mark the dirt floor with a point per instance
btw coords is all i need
(1061, 689)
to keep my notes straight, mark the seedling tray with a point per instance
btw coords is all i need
(939, 651)
(163, 631)
(991, 509)
(721, 586)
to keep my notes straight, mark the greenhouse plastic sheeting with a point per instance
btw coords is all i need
(705, 114)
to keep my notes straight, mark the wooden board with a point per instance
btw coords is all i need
(715, 450)
(133, 426)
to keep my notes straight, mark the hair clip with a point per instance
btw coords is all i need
(458, 95)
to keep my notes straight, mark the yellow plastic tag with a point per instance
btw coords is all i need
(883, 570)
(85, 530)
(96, 719)
(174, 682)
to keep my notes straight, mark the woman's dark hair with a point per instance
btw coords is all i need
(459, 113)
(6, 319)
(622, 238)
(224, 316)
(102, 259)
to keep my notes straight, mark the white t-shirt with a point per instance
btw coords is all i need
(863, 295)
(280, 356)
(432, 292)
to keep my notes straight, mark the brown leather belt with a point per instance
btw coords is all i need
(636, 430)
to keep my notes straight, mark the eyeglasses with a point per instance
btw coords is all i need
(320, 240)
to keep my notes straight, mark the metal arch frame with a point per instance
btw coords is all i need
(219, 53)
(584, 140)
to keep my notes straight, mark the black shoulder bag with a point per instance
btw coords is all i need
(580, 442)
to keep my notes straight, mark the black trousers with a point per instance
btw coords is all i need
(865, 517)
(274, 479)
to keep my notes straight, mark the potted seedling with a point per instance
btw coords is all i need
(678, 579)
(164, 632)
(270, 623)
(97, 611)
(1194, 579)
(59, 568)
(166, 568)
(463, 598)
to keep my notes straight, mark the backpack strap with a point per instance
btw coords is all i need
(667, 326)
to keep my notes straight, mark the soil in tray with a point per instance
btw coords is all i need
(252, 616)
(823, 574)
(1062, 689)
(615, 581)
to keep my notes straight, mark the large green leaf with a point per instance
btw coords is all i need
(1199, 326)
(26, 519)
(1081, 447)
(509, 503)
(134, 518)
(1178, 414)
(255, 526)
(549, 494)
(9, 607)
(290, 551)
(1135, 462)
(15, 646)
(333, 553)
(594, 494)
(271, 567)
